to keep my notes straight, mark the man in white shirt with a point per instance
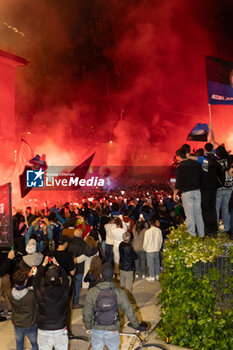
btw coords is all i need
(152, 244)
(108, 257)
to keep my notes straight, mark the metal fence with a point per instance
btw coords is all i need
(220, 273)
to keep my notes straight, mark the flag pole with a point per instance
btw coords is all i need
(211, 136)
(210, 116)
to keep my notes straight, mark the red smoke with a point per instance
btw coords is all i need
(132, 72)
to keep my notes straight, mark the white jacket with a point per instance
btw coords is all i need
(117, 234)
(153, 240)
(109, 235)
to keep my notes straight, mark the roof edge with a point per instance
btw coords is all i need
(13, 59)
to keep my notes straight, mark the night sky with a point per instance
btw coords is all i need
(128, 71)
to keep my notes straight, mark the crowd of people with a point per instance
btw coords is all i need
(61, 249)
(205, 181)
(118, 235)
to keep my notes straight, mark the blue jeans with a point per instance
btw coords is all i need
(140, 263)
(30, 332)
(192, 207)
(77, 286)
(222, 201)
(153, 261)
(108, 257)
(103, 247)
(100, 338)
(231, 221)
(49, 339)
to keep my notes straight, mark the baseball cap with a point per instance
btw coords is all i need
(52, 275)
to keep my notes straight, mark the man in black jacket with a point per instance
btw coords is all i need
(208, 189)
(79, 247)
(188, 182)
(127, 262)
(52, 298)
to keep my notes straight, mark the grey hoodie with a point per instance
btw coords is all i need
(34, 259)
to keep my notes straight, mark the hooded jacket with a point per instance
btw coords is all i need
(34, 259)
(52, 301)
(23, 307)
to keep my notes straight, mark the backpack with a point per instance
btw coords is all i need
(106, 307)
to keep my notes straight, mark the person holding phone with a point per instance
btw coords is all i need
(52, 299)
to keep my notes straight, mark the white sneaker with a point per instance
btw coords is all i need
(157, 277)
(143, 277)
(150, 279)
(137, 275)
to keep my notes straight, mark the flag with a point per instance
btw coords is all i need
(22, 180)
(38, 162)
(24, 154)
(199, 133)
(81, 170)
(220, 81)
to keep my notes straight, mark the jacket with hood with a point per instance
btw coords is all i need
(122, 301)
(32, 258)
(23, 307)
(52, 301)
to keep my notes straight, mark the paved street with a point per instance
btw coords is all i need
(145, 294)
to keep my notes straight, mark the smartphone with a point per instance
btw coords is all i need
(34, 270)
(141, 216)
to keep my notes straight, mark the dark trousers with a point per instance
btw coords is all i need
(208, 206)
(108, 256)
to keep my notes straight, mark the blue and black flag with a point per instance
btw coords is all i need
(220, 81)
(199, 133)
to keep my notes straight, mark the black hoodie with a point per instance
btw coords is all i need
(188, 176)
(52, 301)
